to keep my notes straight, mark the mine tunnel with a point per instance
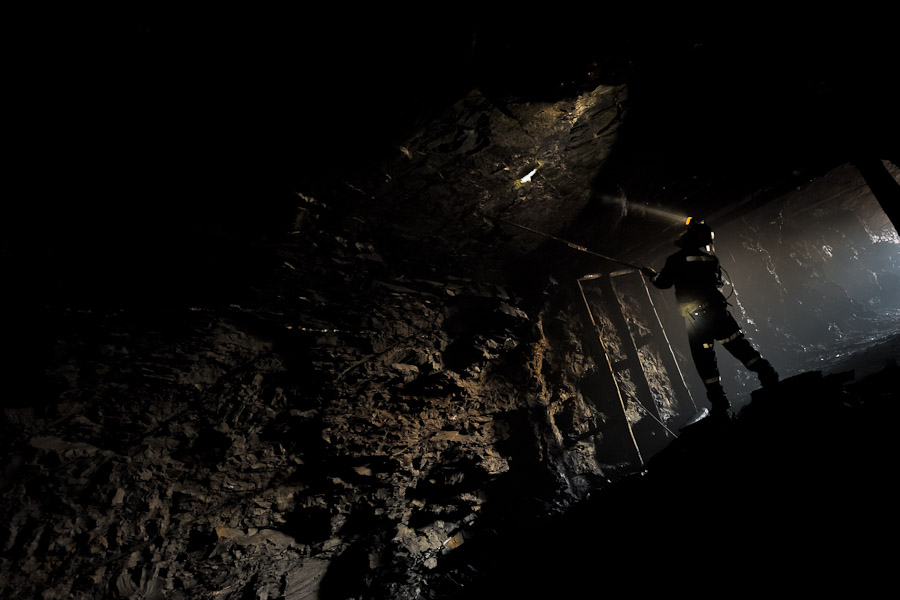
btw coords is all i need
(352, 306)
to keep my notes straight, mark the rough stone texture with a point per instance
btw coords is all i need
(342, 433)
(378, 393)
(358, 415)
(474, 160)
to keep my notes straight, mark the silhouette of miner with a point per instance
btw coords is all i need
(697, 277)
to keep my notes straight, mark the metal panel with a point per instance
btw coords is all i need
(630, 340)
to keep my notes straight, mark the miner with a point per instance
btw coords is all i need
(697, 276)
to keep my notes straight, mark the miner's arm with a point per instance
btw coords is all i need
(664, 279)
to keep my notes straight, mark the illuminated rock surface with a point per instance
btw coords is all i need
(265, 346)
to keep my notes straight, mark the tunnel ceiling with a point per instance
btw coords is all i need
(691, 119)
(324, 364)
(214, 121)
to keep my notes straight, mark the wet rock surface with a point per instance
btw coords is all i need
(810, 278)
(819, 266)
(363, 388)
(334, 433)
(366, 425)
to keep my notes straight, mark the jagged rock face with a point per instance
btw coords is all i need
(815, 273)
(532, 162)
(360, 413)
(390, 373)
(340, 431)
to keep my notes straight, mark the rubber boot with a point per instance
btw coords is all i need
(768, 377)
(720, 405)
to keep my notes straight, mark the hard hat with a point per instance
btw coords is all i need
(697, 235)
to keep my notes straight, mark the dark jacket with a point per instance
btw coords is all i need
(697, 277)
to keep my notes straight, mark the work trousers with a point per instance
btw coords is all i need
(705, 327)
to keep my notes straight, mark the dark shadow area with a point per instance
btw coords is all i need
(526, 490)
(790, 495)
(347, 574)
(156, 161)
(308, 525)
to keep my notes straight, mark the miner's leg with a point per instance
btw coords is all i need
(742, 350)
(704, 356)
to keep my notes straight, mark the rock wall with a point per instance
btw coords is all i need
(393, 375)
(338, 432)
(400, 377)
(815, 271)
(529, 162)
(811, 277)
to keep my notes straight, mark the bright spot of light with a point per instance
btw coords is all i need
(653, 211)
(528, 177)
